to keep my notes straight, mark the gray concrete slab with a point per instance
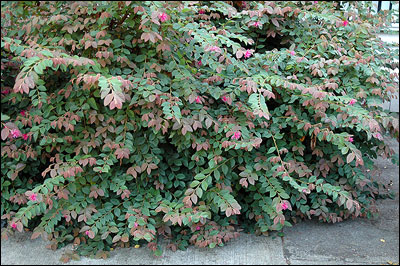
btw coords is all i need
(245, 250)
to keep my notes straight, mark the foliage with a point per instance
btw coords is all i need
(123, 122)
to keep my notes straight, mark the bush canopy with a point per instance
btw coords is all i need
(123, 122)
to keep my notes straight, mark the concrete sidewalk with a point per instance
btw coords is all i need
(358, 241)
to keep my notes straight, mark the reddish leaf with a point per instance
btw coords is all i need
(116, 238)
(91, 234)
(108, 99)
(35, 235)
(350, 157)
(125, 238)
(349, 204)
(19, 227)
(243, 182)
(275, 22)
(4, 133)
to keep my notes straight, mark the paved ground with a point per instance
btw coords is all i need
(309, 243)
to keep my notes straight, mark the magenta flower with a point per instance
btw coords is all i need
(87, 232)
(236, 135)
(25, 136)
(292, 52)
(15, 133)
(201, 11)
(198, 228)
(136, 224)
(14, 225)
(284, 206)
(352, 101)
(163, 17)
(33, 197)
(22, 112)
(198, 100)
(315, 2)
(224, 99)
(5, 91)
(248, 54)
(65, 216)
(378, 136)
(350, 139)
(345, 23)
(304, 190)
(257, 24)
(199, 63)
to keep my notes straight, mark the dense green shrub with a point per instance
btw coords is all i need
(126, 121)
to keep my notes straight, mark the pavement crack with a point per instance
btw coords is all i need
(283, 252)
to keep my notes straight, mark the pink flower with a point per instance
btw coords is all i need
(236, 135)
(136, 224)
(350, 139)
(198, 228)
(5, 91)
(248, 54)
(198, 100)
(25, 136)
(304, 190)
(378, 136)
(292, 52)
(315, 2)
(352, 101)
(257, 24)
(201, 11)
(65, 216)
(163, 17)
(22, 112)
(284, 206)
(199, 63)
(15, 133)
(345, 23)
(87, 232)
(14, 225)
(224, 99)
(33, 197)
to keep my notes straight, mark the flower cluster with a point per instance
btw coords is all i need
(248, 53)
(163, 17)
(352, 101)
(236, 135)
(15, 133)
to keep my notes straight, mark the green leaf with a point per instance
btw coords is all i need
(146, 211)
(204, 185)
(199, 192)
(148, 237)
(217, 174)
(177, 112)
(92, 103)
(4, 117)
(194, 183)
(199, 176)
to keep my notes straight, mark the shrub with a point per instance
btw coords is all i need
(126, 121)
